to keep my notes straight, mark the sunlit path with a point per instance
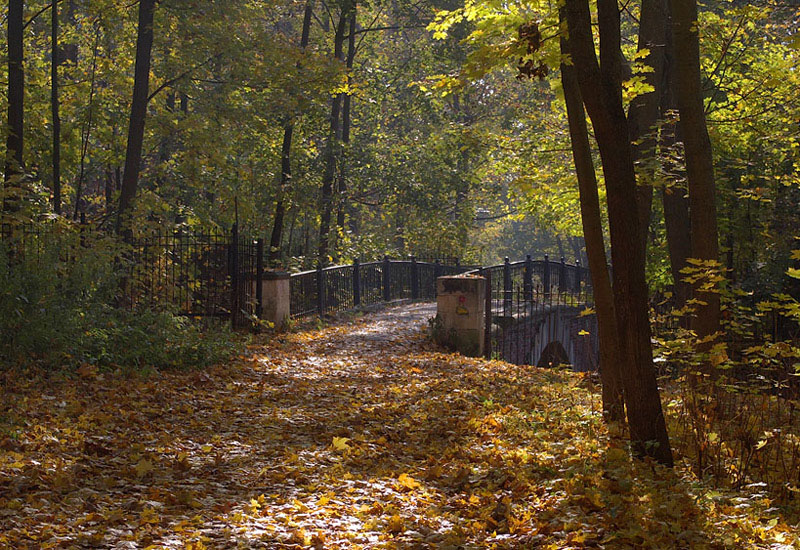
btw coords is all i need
(358, 435)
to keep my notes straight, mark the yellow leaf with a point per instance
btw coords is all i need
(395, 524)
(408, 482)
(143, 467)
(340, 443)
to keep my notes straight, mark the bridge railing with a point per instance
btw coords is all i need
(520, 297)
(330, 290)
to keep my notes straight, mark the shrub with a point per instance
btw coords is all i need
(57, 308)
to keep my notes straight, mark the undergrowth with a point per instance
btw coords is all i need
(58, 310)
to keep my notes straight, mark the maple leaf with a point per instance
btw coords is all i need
(408, 482)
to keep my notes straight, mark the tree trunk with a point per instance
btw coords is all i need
(141, 85)
(88, 130)
(674, 198)
(331, 150)
(286, 157)
(613, 404)
(644, 109)
(342, 180)
(601, 88)
(699, 161)
(14, 165)
(54, 108)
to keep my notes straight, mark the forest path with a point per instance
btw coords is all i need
(357, 435)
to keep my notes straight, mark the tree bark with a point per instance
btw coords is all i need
(331, 150)
(347, 103)
(14, 165)
(286, 157)
(674, 199)
(141, 85)
(611, 376)
(644, 109)
(699, 161)
(600, 85)
(54, 108)
(88, 129)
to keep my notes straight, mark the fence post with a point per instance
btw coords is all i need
(487, 334)
(562, 276)
(578, 275)
(414, 278)
(356, 283)
(507, 293)
(546, 275)
(527, 285)
(387, 289)
(320, 290)
(437, 272)
(259, 277)
(234, 267)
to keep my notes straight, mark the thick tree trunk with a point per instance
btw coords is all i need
(286, 157)
(674, 199)
(699, 161)
(331, 151)
(54, 108)
(613, 403)
(141, 85)
(14, 165)
(644, 109)
(601, 89)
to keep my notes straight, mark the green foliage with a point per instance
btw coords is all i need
(57, 301)
(732, 407)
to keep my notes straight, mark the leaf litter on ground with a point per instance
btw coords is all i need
(361, 435)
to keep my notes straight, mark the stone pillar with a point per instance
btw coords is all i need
(276, 294)
(460, 321)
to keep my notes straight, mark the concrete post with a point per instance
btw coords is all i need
(276, 296)
(460, 320)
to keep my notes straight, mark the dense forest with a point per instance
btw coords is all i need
(161, 157)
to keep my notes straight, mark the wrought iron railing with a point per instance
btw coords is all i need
(521, 292)
(329, 290)
(192, 273)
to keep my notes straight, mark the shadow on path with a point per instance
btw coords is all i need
(361, 435)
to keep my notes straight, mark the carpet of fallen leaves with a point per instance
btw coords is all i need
(359, 435)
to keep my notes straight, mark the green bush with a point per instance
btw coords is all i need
(57, 309)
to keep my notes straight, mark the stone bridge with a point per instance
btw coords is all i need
(520, 323)
(548, 336)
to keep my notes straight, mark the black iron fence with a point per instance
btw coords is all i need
(329, 290)
(533, 303)
(193, 273)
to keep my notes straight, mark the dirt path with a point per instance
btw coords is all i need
(360, 435)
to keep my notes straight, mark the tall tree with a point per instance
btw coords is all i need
(54, 108)
(644, 109)
(601, 87)
(14, 165)
(673, 196)
(699, 160)
(332, 147)
(141, 85)
(347, 105)
(286, 155)
(608, 334)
